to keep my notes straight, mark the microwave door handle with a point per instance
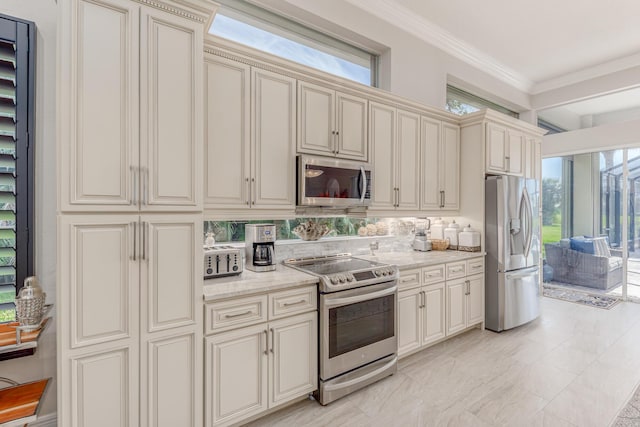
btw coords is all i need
(363, 182)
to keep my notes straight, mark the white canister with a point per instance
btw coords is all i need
(437, 229)
(451, 233)
(469, 240)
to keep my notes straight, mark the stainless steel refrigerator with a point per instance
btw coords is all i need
(513, 252)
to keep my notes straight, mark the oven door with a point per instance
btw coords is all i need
(333, 182)
(357, 326)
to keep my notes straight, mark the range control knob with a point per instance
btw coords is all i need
(334, 280)
(377, 273)
(350, 278)
(342, 278)
(209, 270)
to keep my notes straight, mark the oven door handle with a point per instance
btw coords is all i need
(335, 302)
(360, 380)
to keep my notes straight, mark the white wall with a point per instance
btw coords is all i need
(416, 70)
(43, 363)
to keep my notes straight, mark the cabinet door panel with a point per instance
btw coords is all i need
(408, 167)
(496, 148)
(382, 133)
(433, 327)
(316, 119)
(431, 165)
(273, 140)
(235, 375)
(171, 112)
(103, 146)
(105, 391)
(515, 153)
(409, 320)
(456, 309)
(228, 121)
(450, 165)
(173, 389)
(171, 281)
(102, 279)
(475, 300)
(352, 127)
(294, 358)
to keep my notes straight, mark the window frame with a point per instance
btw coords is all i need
(284, 27)
(475, 101)
(23, 34)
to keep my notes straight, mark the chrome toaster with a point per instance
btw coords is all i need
(222, 261)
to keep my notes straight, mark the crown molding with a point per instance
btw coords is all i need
(599, 70)
(431, 33)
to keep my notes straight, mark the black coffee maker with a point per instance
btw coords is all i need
(259, 241)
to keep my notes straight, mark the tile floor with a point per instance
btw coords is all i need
(574, 366)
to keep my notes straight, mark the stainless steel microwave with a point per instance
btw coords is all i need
(333, 182)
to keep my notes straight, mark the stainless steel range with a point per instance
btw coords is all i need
(358, 333)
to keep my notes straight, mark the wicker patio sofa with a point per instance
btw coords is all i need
(583, 269)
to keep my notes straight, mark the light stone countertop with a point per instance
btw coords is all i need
(416, 259)
(252, 282)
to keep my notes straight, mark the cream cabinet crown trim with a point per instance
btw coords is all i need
(202, 10)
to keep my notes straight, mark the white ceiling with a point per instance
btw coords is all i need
(624, 100)
(536, 41)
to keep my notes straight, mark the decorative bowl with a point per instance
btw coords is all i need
(311, 230)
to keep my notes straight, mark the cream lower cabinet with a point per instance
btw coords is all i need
(251, 369)
(420, 311)
(131, 345)
(465, 298)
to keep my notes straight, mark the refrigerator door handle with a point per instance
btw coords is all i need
(522, 273)
(526, 204)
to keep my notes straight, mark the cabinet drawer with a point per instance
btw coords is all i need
(409, 279)
(456, 269)
(433, 274)
(236, 313)
(294, 301)
(475, 265)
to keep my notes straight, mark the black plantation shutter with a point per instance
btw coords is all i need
(16, 158)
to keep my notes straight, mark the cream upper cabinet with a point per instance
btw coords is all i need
(440, 165)
(505, 150)
(533, 165)
(273, 115)
(99, 150)
(395, 144)
(227, 148)
(331, 123)
(135, 116)
(250, 137)
(171, 64)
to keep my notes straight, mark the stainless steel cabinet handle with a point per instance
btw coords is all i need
(468, 287)
(231, 316)
(135, 240)
(266, 342)
(144, 240)
(442, 198)
(288, 304)
(253, 193)
(272, 339)
(248, 190)
(133, 185)
(423, 298)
